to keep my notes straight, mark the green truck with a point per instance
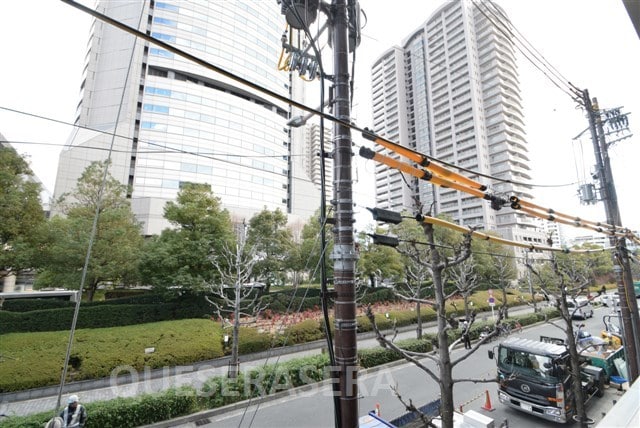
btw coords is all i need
(605, 360)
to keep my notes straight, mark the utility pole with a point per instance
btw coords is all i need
(344, 26)
(622, 268)
(344, 255)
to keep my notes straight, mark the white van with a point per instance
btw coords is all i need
(580, 307)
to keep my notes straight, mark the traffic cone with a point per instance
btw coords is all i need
(377, 409)
(487, 403)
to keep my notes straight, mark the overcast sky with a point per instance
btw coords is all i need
(592, 43)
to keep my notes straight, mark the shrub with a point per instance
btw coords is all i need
(125, 412)
(305, 331)
(37, 358)
(251, 341)
(377, 356)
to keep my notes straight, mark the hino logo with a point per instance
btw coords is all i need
(525, 388)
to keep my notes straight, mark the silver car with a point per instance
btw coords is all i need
(580, 307)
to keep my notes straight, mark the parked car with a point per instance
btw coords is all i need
(609, 300)
(580, 307)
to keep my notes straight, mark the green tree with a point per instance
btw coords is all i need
(181, 256)
(64, 241)
(377, 262)
(20, 211)
(273, 242)
(598, 263)
(306, 256)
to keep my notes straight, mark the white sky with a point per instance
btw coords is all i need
(590, 42)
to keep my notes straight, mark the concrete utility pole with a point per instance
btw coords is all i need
(344, 255)
(344, 27)
(628, 304)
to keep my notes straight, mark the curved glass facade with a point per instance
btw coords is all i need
(179, 121)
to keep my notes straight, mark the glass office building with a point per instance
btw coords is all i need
(166, 121)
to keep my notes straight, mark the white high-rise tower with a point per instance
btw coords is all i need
(451, 91)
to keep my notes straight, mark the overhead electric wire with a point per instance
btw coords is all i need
(167, 150)
(366, 132)
(486, 253)
(92, 235)
(271, 93)
(443, 223)
(555, 83)
(417, 172)
(204, 155)
(286, 337)
(528, 44)
(436, 164)
(526, 207)
(517, 203)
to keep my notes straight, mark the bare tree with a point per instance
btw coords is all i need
(231, 297)
(566, 280)
(416, 276)
(465, 280)
(503, 275)
(437, 262)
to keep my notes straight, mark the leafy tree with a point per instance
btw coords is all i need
(306, 256)
(377, 262)
(273, 242)
(181, 257)
(64, 241)
(598, 263)
(20, 211)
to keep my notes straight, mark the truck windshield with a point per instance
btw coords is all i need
(527, 364)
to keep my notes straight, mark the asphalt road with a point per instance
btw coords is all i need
(314, 408)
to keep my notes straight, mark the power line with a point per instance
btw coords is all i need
(205, 155)
(168, 150)
(555, 83)
(301, 106)
(519, 35)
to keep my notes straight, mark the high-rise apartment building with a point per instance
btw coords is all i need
(172, 122)
(451, 92)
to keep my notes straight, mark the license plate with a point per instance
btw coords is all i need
(526, 407)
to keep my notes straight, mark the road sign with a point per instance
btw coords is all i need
(492, 301)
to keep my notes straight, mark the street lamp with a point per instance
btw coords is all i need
(298, 121)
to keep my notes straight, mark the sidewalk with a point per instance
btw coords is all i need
(129, 382)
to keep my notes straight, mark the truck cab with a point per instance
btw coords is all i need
(534, 377)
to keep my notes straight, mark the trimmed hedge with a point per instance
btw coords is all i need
(124, 412)
(302, 332)
(378, 356)
(33, 315)
(104, 315)
(36, 358)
